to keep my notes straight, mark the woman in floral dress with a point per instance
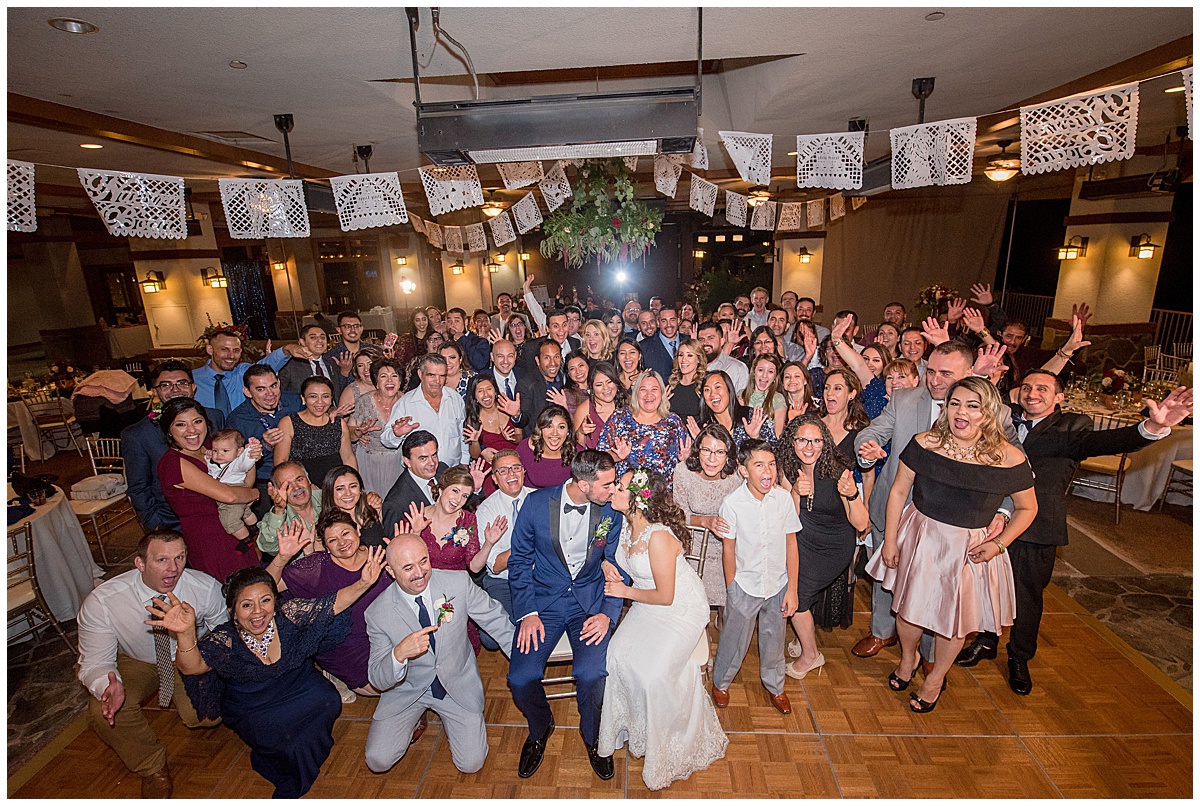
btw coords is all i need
(646, 434)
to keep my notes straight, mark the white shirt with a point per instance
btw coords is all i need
(573, 532)
(234, 472)
(500, 379)
(761, 529)
(445, 424)
(935, 411)
(754, 320)
(111, 619)
(497, 504)
(735, 369)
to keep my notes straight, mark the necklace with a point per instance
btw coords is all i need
(960, 454)
(259, 646)
(809, 503)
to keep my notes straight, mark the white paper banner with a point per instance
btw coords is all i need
(137, 205)
(1080, 130)
(631, 163)
(453, 238)
(700, 152)
(519, 174)
(264, 208)
(816, 214)
(735, 208)
(417, 224)
(938, 153)
(832, 161)
(751, 153)
(22, 208)
(476, 240)
(763, 217)
(857, 201)
(791, 216)
(435, 234)
(837, 207)
(451, 187)
(666, 174)
(526, 213)
(368, 200)
(1187, 92)
(702, 196)
(502, 229)
(555, 187)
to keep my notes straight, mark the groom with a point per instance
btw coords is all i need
(561, 536)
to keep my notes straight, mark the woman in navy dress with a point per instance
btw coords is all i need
(256, 672)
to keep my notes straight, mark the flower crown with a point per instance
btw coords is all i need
(639, 489)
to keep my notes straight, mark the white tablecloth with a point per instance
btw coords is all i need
(127, 342)
(1147, 471)
(385, 321)
(65, 569)
(37, 449)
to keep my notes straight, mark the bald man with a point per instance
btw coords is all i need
(421, 658)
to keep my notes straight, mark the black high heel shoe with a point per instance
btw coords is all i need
(919, 706)
(897, 683)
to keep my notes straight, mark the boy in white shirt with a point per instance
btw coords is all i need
(761, 561)
(231, 461)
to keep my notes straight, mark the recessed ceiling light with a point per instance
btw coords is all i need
(934, 16)
(237, 65)
(72, 25)
(1174, 89)
(90, 145)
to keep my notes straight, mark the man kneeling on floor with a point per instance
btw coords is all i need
(122, 661)
(421, 658)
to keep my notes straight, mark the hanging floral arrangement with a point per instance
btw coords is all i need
(604, 220)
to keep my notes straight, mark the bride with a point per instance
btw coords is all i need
(654, 698)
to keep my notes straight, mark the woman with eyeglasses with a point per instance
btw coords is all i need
(702, 480)
(832, 512)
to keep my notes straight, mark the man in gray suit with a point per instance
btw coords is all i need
(908, 413)
(421, 658)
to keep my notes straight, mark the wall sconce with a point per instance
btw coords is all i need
(500, 256)
(492, 266)
(279, 265)
(698, 253)
(1072, 250)
(1141, 248)
(804, 255)
(154, 282)
(457, 267)
(408, 286)
(524, 256)
(213, 278)
(401, 261)
(737, 238)
(701, 239)
(719, 239)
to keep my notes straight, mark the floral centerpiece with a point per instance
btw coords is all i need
(1112, 381)
(604, 220)
(928, 299)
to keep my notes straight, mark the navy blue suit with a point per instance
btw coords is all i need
(142, 445)
(657, 357)
(541, 583)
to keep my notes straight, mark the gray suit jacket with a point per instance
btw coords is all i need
(390, 619)
(908, 413)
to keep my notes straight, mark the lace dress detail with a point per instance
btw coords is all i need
(654, 699)
(378, 465)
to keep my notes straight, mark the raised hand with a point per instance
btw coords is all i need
(840, 327)
(693, 427)
(373, 567)
(416, 519)
(1082, 311)
(989, 360)
(871, 451)
(279, 497)
(254, 449)
(802, 487)
(509, 433)
(494, 335)
(622, 448)
(973, 320)
(375, 502)
(345, 362)
(509, 405)
(173, 615)
(955, 311)
(810, 342)
(754, 425)
(934, 333)
(1174, 409)
(982, 293)
(557, 397)
(472, 433)
(495, 530)
(1076, 340)
(268, 347)
(846, 485)
(478, 470)
(685, 444)
(293, 538)
(403, 426)
(527, 286)
(344, 410)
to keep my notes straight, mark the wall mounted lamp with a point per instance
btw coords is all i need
(1141, 248)
(1072, 250)
(154, 282)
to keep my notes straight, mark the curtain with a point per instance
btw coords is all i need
(247, 299)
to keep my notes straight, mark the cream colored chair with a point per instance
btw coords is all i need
(110, 514)
(25, 599)
(1113, 467)
(51, 418)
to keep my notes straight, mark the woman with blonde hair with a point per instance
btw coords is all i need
(687, 373)
(596, 343)
(646, 434)
(945, 573)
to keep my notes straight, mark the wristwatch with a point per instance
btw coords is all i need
(853, 497)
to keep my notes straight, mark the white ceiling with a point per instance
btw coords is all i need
(169, 68)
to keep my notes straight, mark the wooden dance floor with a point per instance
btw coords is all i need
(1101, 722)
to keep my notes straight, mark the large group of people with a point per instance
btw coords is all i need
(330, 524)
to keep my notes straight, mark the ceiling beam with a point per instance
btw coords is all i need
(58, 117)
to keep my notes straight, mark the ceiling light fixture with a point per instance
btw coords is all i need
(72, 25)
(1072, 250)
(408, 286)
(1141, 248)
(757, 197)
(492, 209)
(90, 145)
(934, 16)
(1002, 167)
(238, 65)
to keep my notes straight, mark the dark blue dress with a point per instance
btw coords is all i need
(874, 397)
(285, 710)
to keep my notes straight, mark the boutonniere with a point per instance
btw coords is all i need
(462, 535)
(445, 610)
(155, 411)
(601, 538)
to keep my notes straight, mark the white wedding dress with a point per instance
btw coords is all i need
(654, 698)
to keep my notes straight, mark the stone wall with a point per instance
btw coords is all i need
(1113, 346)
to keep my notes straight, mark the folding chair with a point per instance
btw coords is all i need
(50, 417)
(25, 599)
(1109, 466)
(1183, 484)
(560, 654)
(110, 514)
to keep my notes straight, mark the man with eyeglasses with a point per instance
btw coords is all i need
(509, 476)
(350, 326)
(143, 444)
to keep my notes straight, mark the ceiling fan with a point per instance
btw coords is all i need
(1003, 166)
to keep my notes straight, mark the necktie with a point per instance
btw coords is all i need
(437, 689)
(432, 485)
(671, 346)
(316, 368)
(508, 388)
(582, 509)
(220, 395)
(516, 508)
(163, 664)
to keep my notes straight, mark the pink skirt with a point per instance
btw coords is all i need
(936, 586)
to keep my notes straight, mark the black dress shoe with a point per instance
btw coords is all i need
(1018, 677)
(601, 765)
(975, 652)
(532, 753)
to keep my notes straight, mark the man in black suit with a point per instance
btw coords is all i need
(556, 333)
(418, 481)
(658, 350)
(1056, 442)
(316, 362)
(533, 388)
(143, 444)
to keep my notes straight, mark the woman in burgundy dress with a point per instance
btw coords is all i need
(547, 453)
(606, 397)
(488, 428)
(450, 532)
(193, 494)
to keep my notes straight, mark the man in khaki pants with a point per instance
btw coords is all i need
(122, 661)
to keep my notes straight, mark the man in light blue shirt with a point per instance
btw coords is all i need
(219, 382)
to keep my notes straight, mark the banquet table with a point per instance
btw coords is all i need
(127, 342)
(1147, 470)
(384, 320)
(37, 449)
(65, 569)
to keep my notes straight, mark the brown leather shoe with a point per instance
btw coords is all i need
(869, 646)
(781, 702)
(419, 730)
(158, 785)
(720, 697)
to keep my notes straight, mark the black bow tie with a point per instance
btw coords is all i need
(1019, 420)
(582, 509)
